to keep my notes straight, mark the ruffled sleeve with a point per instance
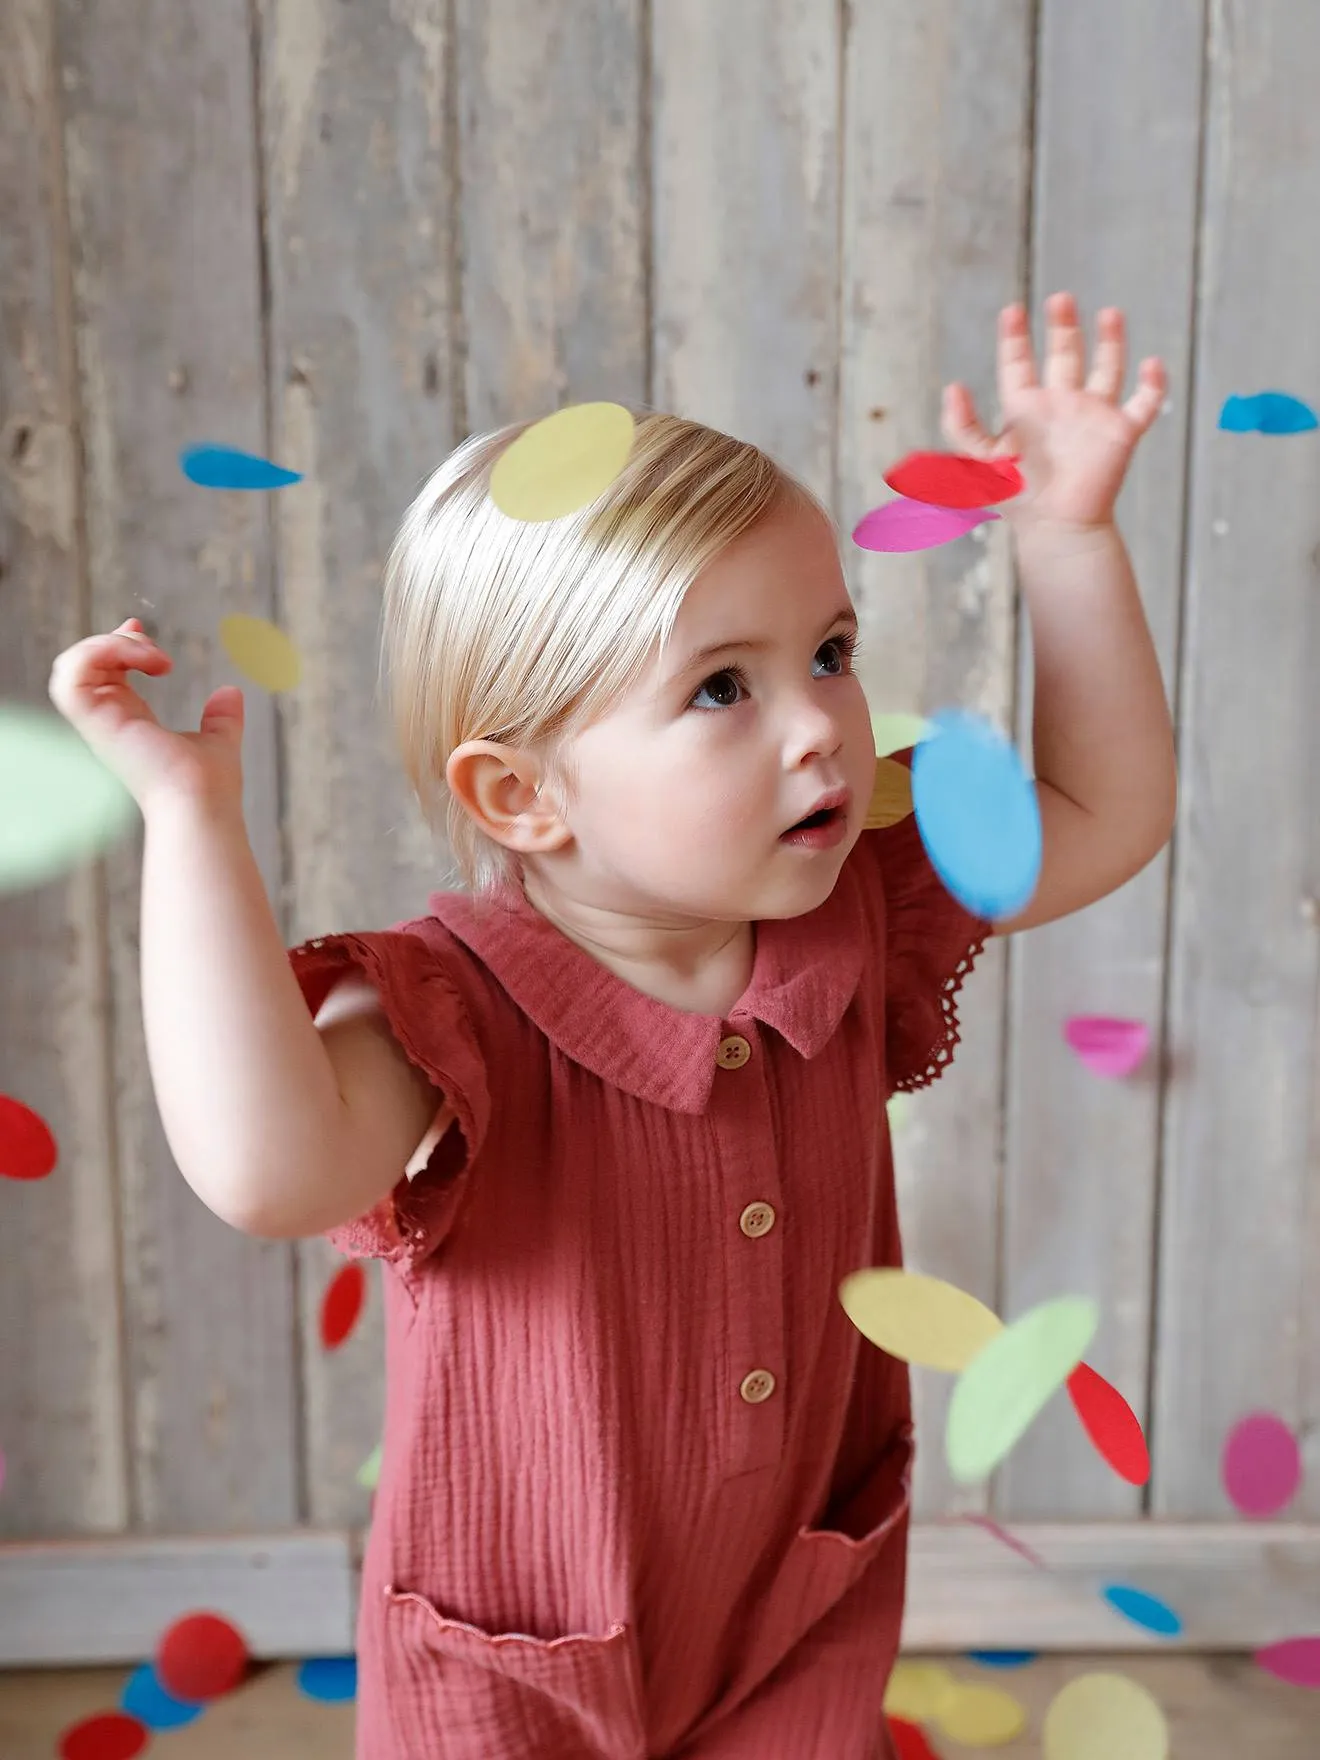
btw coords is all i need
(931, 943)
(430, 1021)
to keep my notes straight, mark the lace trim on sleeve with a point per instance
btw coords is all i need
(941, 1052)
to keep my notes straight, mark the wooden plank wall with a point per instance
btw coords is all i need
(351, 235)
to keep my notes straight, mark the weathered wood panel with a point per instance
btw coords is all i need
(1240, 1230)
(61, 1383)
(160, 152)
(937, 155)
(1082, 1154)
(356, 129)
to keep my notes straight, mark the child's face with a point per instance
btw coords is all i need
(684, 792)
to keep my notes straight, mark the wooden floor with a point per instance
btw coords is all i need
(1219, 1708)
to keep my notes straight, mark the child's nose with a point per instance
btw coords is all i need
(815, 732)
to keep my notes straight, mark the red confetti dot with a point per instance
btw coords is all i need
(341, 1305)
(27, 1148)
(200, 1657)
(910, 1740)
(110, 1735)
(950, 479)
(1111, 1424)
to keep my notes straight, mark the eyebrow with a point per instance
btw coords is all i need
(845, 615)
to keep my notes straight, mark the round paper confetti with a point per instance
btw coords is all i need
(109, 1735)
(225, 467)
(1005, 1659)
(977, 814)
(200, 1657)
(1295, 1660)
(58, 802)
(905, 525)
(1110, 1422)
(144, 1698)
(950, 479)
(918, 1691)
(1008, 1383)
(897, 730)
(1146, 1611)
(331, 1679)
(1105, 1717)
(909, 1740)
(1108, 1047)
(919, 1319)
(891, 796)
(261, 652)
(1262, 1465)
(982, 1717)
(563, 463)
(368, 1474)
(27, 1148)
(341, 1305)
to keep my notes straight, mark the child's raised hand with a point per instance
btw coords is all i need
(89, 686)
(1071, 435)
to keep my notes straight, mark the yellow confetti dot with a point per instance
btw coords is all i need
(897, 730)
(891, 796)
(982, 1717)
(918, 1691)
(261, 652)
(920, 1319)
(563, 463)
(1102, 1716)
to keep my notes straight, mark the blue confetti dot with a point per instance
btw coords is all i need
(143, 1697)
(331, 1679)
(977, 814)
(1143, 1610)
(224, 467)
(1268, 412)
(1002, 1658)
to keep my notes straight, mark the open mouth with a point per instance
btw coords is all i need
(823, 816)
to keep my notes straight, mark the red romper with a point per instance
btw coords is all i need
(645, 1488)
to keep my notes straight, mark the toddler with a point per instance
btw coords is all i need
(614, 1115)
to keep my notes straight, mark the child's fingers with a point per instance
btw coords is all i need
(98, 661)
(1065, 347)
(1147, 400)
(962, 426)
(1109, 362)
(1016, 360)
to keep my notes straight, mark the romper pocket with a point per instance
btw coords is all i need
(459, 1693)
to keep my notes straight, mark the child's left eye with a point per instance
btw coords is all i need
(835, 656)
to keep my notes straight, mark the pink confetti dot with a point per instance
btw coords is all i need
(1295, 1660)
(1262, 1465)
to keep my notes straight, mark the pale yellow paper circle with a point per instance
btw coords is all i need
(918, 1691)
(891, 795)
(982, 1717)
(898, 1108)
(897, 730)
(562, 463)
(920, 1319)
(1103, 1717)
(261, 652)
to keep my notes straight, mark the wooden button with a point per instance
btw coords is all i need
(756, 1220)
(733, 1052)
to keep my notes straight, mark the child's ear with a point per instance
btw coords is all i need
(500, 789)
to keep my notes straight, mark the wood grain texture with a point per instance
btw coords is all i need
(1239, 1317)
(160, 150)
(937, 151)
(61, 1376)
(1081, 1153)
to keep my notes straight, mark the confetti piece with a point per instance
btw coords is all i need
(950, 479)
(200, 1657)
(918, 1691)
(1103, 1716)
(982, 1717)
(144, 1698)
(109, 1735)
(331, 1679)
(1111, 1424)
(977, 814)
(1006, 1539)
(905, 525)
(891, 795)
(368, 1474)
(896, 730)
(1007, 1384)
(58, 802)
(1108, 1047)
(898, 1107)
(1268, 412)
(1262, 1465)
(261, 652)
(27, 1148)
(919, 1319)
(225, 467)
(1004, 1659)
(1295, 1660)
(909, 1740)
(1147, 1611)
(341, 1305)
(561, 464)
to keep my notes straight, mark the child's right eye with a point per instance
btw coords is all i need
(722, 690)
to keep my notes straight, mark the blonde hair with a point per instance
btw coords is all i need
(500, 629)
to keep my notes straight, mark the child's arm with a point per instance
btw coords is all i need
(1103, 740)
(280, 1128)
